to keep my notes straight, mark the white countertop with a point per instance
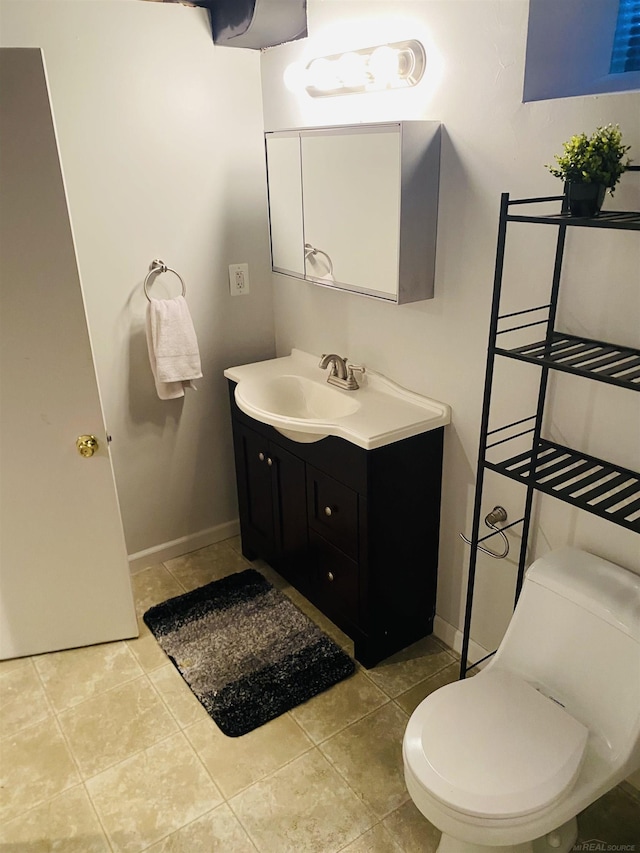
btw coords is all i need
(387, 412)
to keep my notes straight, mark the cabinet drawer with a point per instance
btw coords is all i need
(333, 511)
(338, 580)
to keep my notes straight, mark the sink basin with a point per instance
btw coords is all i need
(292, 395)
(297, 397)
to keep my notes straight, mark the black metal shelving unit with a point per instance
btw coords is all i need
(592, 484)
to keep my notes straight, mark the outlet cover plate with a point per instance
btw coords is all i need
(238, 279)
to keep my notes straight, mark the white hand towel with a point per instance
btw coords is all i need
(173, 347)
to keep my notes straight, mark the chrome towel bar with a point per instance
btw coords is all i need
(155, 268)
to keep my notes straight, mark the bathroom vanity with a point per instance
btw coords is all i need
(355, 207)
(355, 530)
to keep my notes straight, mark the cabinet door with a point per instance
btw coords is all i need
(285, 203)
(255, 492)
(351, 190)
(290, 516)
(272, 502)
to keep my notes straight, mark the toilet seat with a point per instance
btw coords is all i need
(493, 746)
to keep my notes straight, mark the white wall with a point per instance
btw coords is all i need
(492, 143)
(160, 134)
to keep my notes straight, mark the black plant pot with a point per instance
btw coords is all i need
(584, 199)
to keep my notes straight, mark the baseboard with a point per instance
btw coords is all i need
(183, 545)
(452, 637)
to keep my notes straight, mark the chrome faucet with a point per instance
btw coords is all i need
(338, 365)
(341, 373)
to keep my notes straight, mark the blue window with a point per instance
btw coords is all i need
(626, 43)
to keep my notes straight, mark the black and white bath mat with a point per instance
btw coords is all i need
(245, 650)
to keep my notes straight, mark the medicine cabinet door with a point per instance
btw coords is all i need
(351, 207)
(285, 203)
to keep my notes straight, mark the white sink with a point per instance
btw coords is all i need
(292, 395)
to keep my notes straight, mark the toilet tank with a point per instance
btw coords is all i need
(575, 634)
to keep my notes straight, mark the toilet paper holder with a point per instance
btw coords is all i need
(497, 514)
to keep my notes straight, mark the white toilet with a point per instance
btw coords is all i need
(504, 761)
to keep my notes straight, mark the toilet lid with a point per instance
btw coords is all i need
(494, 746)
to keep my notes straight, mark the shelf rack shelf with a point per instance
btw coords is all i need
(593, 485)
(598, 360)
(623, 220)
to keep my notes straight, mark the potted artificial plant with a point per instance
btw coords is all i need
(590, 166)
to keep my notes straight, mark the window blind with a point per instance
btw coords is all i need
(626, 42)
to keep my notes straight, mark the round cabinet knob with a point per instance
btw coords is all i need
(261, 456)
(87, 445)
(328, 511)
(330, 576)
(269, 461)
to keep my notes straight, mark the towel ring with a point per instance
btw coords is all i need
(310, 252)
(156, 267)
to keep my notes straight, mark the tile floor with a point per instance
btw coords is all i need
(106, 749)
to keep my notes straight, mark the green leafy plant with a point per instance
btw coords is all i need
(595, 159)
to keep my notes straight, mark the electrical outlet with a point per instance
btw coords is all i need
(238, 279)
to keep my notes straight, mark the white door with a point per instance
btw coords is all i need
(64, 575)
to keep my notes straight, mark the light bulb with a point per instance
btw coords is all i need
(383, 66)
(295, 77)
(352, 70)
(321, 75)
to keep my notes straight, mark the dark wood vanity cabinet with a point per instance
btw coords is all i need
(356, 531)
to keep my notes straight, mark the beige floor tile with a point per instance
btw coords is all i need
(22, 699)
(613, 819)
(12, 663)
(376, 840)
(404, 670)
(178, 697)
(109, 728)
(65, 824)
(153, 586)
(368, 755)
(219, 831)
(338, 707)
(411, 830)
(235, 542)
(152, 794)
(237, 762)
(35, 765)
(75, 675)
(208, 564)
(305, 806)
(410, 700)
(146, 650)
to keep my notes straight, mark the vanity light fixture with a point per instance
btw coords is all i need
(372, 69)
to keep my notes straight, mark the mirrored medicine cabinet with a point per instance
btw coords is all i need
(355, 207)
